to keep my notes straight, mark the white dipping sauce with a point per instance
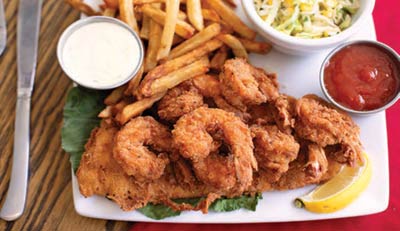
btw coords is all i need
(101, 54)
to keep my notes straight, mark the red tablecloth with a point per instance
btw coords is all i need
(387, 23)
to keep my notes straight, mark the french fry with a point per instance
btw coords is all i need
(106, 112)
(234, 43)
(197, 40)
(184, 60)
(112, 110)
(230, 17)
(145, 30)
(225, 28)
(117, 108)
(231, 3)
(210, 15)
(219, 58)
(150, 60)
(182, 28)
(137, 108)
(182, 15)
(193, 8)
(109, 12)
(177, 40)
(175, 78)
(256, 47)
(82, 7)
(115, 96)
(138, 14)
(175, 64)
(115, 4)
(172, 9)
(141, 2)
(112, 4)
(134, 82)
(127, 14)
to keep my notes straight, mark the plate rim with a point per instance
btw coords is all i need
(383, 204)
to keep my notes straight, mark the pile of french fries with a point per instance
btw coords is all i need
(183, 39)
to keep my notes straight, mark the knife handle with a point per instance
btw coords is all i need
(14, 204)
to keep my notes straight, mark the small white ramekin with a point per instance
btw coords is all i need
(95, 19)
(300, 46)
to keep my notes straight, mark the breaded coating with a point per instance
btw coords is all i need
(311, 167)
(141, 148)
(203, 131)
(179, 101)
(325, 125)
(100, 174)
(274, 150)
(243, 84)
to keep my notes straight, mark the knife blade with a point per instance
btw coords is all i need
(3, 28)
(27, 45)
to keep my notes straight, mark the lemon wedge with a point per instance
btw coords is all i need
(338, 192)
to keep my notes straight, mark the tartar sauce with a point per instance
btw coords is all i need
(101, 54)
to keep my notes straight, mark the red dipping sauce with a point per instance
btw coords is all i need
(362, 77)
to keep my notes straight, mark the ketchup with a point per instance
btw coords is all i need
(362, 77)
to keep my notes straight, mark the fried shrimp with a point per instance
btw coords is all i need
(211, 168)
(244, 85)
(268, 83)
(317, 164)
(239, 86)
(280, 111)
(321, 123)
(261, 114)
(274, 150)
(224, 105)
(206, 131)
(183, 172)
(141, 148)
(310, 167)
(283, 111)
(209, 86)
(178, 101)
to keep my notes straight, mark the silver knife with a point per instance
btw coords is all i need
(3, 28)
(27, 46)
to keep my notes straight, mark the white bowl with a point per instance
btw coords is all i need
(300, 46)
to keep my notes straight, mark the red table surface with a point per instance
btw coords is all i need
(387, 23)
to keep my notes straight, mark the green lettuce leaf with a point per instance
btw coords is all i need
(159, 211)
(230, 204)
(80, 117)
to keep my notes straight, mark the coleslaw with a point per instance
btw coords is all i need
(308, 18)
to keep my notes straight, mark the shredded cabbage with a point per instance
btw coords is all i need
(308, 18)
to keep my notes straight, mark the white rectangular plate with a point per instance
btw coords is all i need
(297, 76)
